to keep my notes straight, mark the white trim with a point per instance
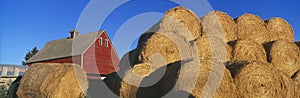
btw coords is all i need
(106, 43)
(100, 41)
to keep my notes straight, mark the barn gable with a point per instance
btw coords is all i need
(66, 47)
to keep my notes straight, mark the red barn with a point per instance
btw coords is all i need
(94, 52)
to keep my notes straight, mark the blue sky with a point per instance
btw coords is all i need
(28, 23)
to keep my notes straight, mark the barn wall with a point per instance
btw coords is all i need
(75, 59)
(98, 59)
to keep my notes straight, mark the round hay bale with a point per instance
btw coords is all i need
(279, 29)
(296, 80)
(256, 79)
(163, 44)
(53, 80)
(182, 21)
(220, 24)
(133, 78)
(212, 80)
(252, 27)
(249, 50)
(204, 47)
(285, 56)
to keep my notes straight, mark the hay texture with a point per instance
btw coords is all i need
(133, 78)
(163, 47)
(255, 79)
(296, 80)
(213, 48)
(252, 27)
(249, 50)
(279, 29)
(181, 21)
(53, 80)
(285, 56)
(212, 80)
(219, 24)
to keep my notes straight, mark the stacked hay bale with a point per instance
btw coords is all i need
(212, 48)
(219, 24)
(212, 79)
(252, 27)
(285, 55)
(249, 50)
(132, 80)
(296, 80)
(260, 79)
(278, 29)
(181, 21)
(53, 80)
(170, 46)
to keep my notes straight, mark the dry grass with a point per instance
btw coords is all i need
(133, 78)
(211, 80)
(212, 48)
(181, 21)
(285, 56)
(252, 27)
(249, 50)
(296, 80)
(219, 24)
(53, 80)
(255, 79)
(163, 47)
(279, 29)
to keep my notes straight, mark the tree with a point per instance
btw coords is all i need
(29, 55)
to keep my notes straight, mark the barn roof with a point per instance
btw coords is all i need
(65, 47)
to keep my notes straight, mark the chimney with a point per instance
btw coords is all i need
(74, 33)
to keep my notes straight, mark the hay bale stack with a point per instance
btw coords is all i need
(255, 79)
(249, 50)
(53, 80)
(252, 27)
(285, 56)
(212, 48)
(212, 80)
(181, 21)
(221, 24)
(166, 45)
(279, 29)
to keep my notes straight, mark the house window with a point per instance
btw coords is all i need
(106, 42)
(100, 41)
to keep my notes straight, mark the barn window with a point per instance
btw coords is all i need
(106, 42)
(100, 41)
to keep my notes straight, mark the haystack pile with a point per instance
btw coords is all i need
(53, 80)
(259, 61)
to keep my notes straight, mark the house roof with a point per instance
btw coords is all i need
(12, 65)
(65, 47)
